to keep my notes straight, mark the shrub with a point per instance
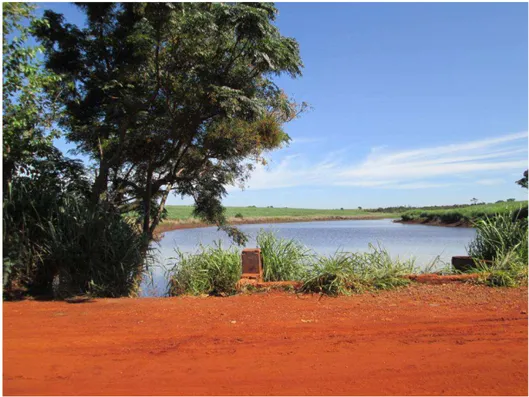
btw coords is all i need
(407, 217)
(451, 217)
(283, 259)
(239, 215)
(212, 270)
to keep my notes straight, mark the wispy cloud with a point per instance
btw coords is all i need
(302, 139)
(405, 169)
(490, 182)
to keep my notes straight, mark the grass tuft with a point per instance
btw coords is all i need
(344, 273)
(500, 250)
(212, 270)
(283, 259)
(499, 235)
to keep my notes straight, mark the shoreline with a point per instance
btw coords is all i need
(173, 224)
(170, 225)
(434, 222)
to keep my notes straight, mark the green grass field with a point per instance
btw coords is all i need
(465, 214)
(181, 212)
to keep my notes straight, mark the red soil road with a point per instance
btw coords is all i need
(453, 339)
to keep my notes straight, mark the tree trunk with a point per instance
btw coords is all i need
(100, 183)
(147, 202)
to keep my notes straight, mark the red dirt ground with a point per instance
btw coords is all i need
(453, 339)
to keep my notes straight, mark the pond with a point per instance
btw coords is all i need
(422, 242)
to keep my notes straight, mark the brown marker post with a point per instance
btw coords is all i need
(252, 266)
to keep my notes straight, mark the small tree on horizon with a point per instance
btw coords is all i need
(523, 182)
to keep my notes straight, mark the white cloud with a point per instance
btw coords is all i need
(422, 185)
(406, 169)
(490, 182)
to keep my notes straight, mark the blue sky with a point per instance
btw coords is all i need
(413, 104)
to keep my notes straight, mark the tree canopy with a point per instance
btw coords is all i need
(171, 97)
(28, 113)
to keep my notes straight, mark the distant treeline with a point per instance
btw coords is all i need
(401, 209)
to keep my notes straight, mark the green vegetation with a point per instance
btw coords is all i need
(184, 213)
(283, 259)
(523, 182)
(505, 270)
(94, 252)
(28, 113)
(466, 214)
(51, 233)
(53, 241)
(343, 273)
(499, 234)
(161, 98)
(212, 270)
(216, 271)
(501, 249)
(172, 97)
(443, 214)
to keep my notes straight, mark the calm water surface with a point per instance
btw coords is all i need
(424, 243)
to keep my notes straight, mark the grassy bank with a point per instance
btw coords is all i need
(214, 270)
(181, 216)
(184, 212)
(464, 215)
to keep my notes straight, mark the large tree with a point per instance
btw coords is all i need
(172, 97)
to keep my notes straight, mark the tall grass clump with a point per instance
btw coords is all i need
(500, 250)
(283, 259)
(332, 275)
(344, 273)
(94, 251)
(212, 270)
(507, 269)
(55, 243)
(378, 269)
(499, 234)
